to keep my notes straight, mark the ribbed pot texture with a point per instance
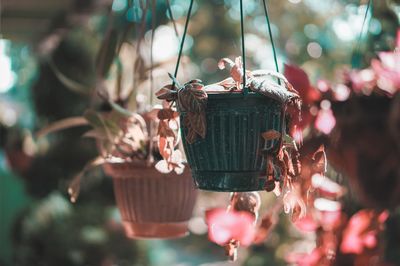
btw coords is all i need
(152, 204)
(230, 157)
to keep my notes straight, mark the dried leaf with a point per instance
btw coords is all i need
(110, 127)
(192, 98)
(225, 61)
(196, 124)
(167, 114)
(246, 201)
(319, 160)
(162, 167)
(271, 134)
(74, 186)
(191, 136)
(96, 134)
(167, 93)
(140, 68)
(62, 124)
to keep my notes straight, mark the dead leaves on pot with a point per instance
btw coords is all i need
(191, 98)
(283, 169)
(271, 135)
(168, 127)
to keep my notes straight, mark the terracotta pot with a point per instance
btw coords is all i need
(152, 204)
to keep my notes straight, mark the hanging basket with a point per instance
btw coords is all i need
(230, 157)
(152, 204)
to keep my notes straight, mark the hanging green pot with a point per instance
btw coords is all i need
(230, 157)
(222, 129)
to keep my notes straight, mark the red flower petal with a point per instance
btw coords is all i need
(226, 225)
(306, 224)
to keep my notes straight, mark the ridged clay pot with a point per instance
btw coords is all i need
(152, 204)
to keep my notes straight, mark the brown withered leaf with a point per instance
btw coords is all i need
(319, 160)
(246, 201)
(191, 136)
(168, 114)
(271, 134)
(196, 124)
(167, 93)
(192, 98)
(166, 139)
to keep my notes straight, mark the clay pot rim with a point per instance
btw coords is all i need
(124, 168)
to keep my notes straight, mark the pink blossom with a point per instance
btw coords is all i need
(325, 121)
(388, 71)
(306, 224)
(362, 231)
(304, 259)
(224, 226)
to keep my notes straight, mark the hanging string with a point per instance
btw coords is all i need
(183, 39)
(171, 16)
(245, 90)
(272, 39)
(1, 36)
(153, 29)
(355, 61)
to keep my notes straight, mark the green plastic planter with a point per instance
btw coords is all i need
(230, 157)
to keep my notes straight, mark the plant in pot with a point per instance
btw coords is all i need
(230, 131)
(233, 128)
(152, 204)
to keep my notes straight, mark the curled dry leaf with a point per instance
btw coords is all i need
(168, 93)
(246, 201)
(167, 114)
(192, 98)
(75, 184)
(167, 140)
(271, 134)
(319, 160)
(236, 72)
(196, 125)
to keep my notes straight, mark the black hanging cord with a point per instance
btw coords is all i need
(153, 29)
(245, 89)
(355, 57)
(183, 39)
(270, 37)
(171, 16)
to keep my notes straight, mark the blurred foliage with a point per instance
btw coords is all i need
(318, 35)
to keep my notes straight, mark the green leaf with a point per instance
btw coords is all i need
(109, 126)
(118, 108)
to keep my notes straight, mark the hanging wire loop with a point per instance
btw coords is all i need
(271, 38)
(183, 40)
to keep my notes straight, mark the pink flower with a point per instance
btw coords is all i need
(387, 68)
(224, 226)
(388, 71)
(306, 224)
(303, 259)
(325, 121)
(300, 81)
(362, 231)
